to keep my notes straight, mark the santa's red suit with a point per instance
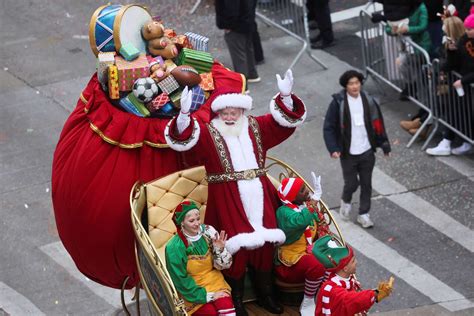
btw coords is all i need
(242, 200)
(342, 297)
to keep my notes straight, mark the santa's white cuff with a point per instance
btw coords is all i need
(183, 145)
(282, 118)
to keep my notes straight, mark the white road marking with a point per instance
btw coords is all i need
(422, 209)
(353, 12)
(85, 37)
(463, 165)
(13, 303)
(19, 41)
(58, 253)
(412, 274)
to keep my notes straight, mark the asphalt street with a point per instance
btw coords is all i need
(422, 206)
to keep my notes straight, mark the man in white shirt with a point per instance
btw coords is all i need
(353, 129)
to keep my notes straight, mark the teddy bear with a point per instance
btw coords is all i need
(158, 72)
(157, 43)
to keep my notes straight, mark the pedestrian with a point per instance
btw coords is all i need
(241, 198)
(237, 19)
(194, 258)
(435, 25)
(342, 294)
(353, 129)
(320, 11)
(302, 223)
(257, 46)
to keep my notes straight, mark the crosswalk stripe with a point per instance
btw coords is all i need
(58, 253)
(13, 303)
(414, 275)
(422, 209)
(462, 165)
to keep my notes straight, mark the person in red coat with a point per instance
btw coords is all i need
(242, 200)
(341, 294)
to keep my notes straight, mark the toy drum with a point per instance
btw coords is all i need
(113, 25)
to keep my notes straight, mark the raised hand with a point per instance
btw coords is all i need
(285, 85)
(318, 191)
(186, 100)
(384, 289)
(219, 240)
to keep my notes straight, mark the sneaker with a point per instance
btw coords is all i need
(308, 306)
(254, 80)
(443, 149)
(364, 221)
(461, 150)
(344, 210)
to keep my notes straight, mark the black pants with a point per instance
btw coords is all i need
(357, 169)
(319, 11)
(241, 52)
(257, 45)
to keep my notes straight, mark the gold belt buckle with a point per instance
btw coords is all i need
(249, 174)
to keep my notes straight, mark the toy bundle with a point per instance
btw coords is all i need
(143, 66)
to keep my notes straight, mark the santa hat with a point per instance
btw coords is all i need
(225, 97)
(181, 211)
(333, 256)
(289, 188)
(469, 22)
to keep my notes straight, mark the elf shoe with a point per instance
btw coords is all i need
(443, 149)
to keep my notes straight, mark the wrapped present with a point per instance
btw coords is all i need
(170, 33)
(104, 60)
(170, 65)
(167, 108)
(207, 94)
(201, 61)
(158, 102)
(128, 106)
(129, 71)
(114, 93)
(207, 82)
(198, 98)
(182, 41)
(169, 84)
(138, 104)
(198, 42)
(175, 98)
(129, 52)
(155, 60)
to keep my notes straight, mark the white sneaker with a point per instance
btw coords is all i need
(364, 221)
(308, 306)
(344, 210)
(461, 150)
(443, 149)
(254, 80)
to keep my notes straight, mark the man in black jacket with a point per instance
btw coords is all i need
(353, 129)
(237, 19)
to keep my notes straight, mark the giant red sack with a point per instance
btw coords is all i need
(101, 153)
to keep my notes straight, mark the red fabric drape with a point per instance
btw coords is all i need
(101, 153)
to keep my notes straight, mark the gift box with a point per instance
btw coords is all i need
(175, 98)
(168, 85)
(128, 106)
(167, 108)
(198, 42)
(129, 71)
(201, 61)
(170, 33)
(182, 41)
(129, 52)
(198, 98)
(155, 60)
(207, 82)
(170, 65)
(158, 102)
(104, 60)
(114, 93)
(138, 104)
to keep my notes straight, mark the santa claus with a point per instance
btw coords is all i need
(242, 200)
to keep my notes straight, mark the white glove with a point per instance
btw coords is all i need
(285, 86)
(318, 191)
(183, 120)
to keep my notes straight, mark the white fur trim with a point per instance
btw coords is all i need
(283, 119)
(180, 145)
(236, 100)
(255, 239)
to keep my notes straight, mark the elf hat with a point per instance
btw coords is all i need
(227, 97)
(183, 209)
(289, 188)
(331, 254)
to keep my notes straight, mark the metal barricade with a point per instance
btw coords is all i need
(289, 16)
(398, 62)
(450, 109)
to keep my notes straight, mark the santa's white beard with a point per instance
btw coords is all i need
(225, 129)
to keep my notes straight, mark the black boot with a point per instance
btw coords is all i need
(265, 293)
(237, 286)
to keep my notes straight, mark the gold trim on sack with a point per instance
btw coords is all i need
(125, 146)
(258, 138)
(85, 101)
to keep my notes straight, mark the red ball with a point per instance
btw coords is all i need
(186, 75)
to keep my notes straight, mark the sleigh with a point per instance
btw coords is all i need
(152, 206)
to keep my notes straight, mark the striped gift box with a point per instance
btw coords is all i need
(198, 42)
(201, 61)
(168, 85)
(129, 71)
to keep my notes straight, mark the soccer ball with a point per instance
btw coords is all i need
(145, 89)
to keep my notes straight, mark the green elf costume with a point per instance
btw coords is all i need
(194, 266)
